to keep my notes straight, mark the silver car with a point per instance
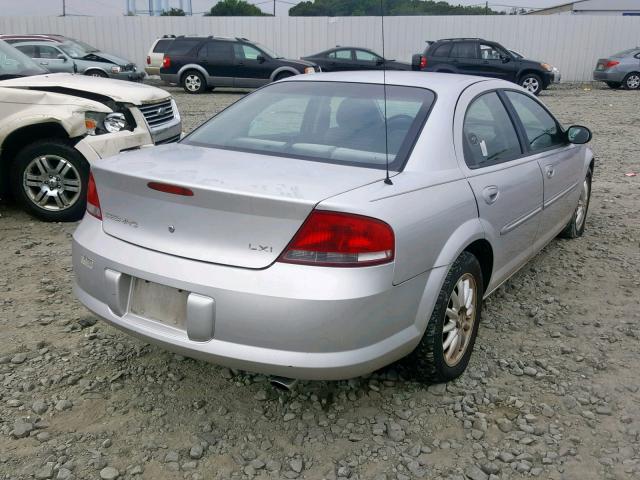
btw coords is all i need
(621, 69)
(271, 238)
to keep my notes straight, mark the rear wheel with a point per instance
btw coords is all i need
(532, 83)
(444, 351)
(614, 85)
(49, 178)
(575, 227)
(194, 82)
(632, 81)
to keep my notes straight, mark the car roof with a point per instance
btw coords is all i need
(36, 36)
(438, 82)
(37, 42)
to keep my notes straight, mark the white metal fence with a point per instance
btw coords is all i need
(572, 43)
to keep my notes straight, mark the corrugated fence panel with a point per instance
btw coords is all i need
(572, 43)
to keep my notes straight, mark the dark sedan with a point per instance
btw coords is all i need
(353, 58)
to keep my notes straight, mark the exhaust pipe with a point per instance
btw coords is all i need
(283, 383)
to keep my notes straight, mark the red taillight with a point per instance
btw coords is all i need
(423, 62)
(93, 202)
(340, 240)
(149, 60)
(173, 189)
(611, 64)
(166, 62)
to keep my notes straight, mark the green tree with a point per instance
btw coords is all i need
(173, 12)
(339, 8)
(234, 8)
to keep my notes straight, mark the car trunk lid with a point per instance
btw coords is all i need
(243, 211)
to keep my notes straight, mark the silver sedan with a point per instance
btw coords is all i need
(272, 239)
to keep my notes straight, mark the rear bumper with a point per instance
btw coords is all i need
(288, 320)
(608, 76)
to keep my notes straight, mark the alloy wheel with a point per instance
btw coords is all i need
(52, 183)
(459, 320)
(531, 84)
(633, 81)
(581, 209)
(193, 83)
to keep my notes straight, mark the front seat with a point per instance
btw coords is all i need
(360, 126)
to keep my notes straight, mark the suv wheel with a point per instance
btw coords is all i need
(632, 81)
(193, 82)
(444, 351)
(532, 83)
(49, 177)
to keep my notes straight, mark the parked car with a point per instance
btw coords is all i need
(156, 54)
(282, 246)
(621, 69)
(202, 63)
(62, 54)
(69, 57)
(476, 56)
(353, 58)
(54, 126)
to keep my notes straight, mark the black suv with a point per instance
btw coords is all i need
(201, 63)
(475, 56)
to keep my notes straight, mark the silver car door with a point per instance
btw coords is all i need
(507, 184)
(561, 163)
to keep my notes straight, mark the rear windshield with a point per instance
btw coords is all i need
(162, 46)
(329, 122)
(183, 46)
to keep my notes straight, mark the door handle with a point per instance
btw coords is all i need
(490, 194)
(549, 171)
(44, 63)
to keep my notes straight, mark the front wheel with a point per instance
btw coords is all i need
(575, 227)
(96, 73)
(632, 81)
(445, 349)
(49, 178)
(532, 83)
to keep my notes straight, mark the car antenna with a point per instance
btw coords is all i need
(387, 179)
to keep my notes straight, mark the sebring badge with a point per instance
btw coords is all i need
(171, 228)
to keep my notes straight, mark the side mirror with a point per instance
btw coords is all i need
(380, 61)
(505, 59)
(579, 135)
(61, 57)
(261, 59)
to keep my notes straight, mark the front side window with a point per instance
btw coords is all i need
(246, 52)
(542, 130)
(363, 55)
(464, 50)
(341, 54)
(327, 122)
(488, 52)
(489, 136)
(45, 51)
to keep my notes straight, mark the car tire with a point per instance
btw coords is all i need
(614, 85)
(433, 361)
(193, 82)
(49, 178)
(532, 83)
(575, 227)
(96, 73)
(632, 81)
(282, 76)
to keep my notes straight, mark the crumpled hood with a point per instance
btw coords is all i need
(107, 56)
(118, 90)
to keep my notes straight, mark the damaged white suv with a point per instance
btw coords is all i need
(53, 126)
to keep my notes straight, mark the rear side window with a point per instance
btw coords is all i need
(443, 50)
(182, 46)
(28, 50)
(328, 122)
(341, 54)
(161, 46)
(216, 51)
(542, 130)
(488, 133)
(464, 50)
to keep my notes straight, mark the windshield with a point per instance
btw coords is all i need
(14, 63)
(82, 45)
(73, 50)
(268, 51)
(329, 122)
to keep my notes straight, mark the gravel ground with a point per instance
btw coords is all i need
(552, 390)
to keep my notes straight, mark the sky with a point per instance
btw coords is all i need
(117, 7)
